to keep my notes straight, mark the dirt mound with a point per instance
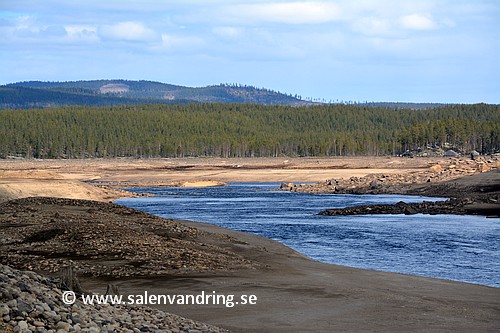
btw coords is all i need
(102, 239)
(472, 189)
(456, 207)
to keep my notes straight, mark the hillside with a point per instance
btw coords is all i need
(28, 98)
(37, 94)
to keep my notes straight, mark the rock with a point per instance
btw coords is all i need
(22, 286)
(22, 306)
(287, 186)
(12, 304)
(63, 326)
(408, 210)
(4, 310)
(483, 168)
(436, 168)
(23, 325)
(6, 295)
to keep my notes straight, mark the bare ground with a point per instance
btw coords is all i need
(166, 171)
(63, 178)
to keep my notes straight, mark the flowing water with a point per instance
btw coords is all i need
(462, 248)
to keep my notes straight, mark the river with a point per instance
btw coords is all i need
(454, 247)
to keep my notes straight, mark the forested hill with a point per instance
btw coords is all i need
(37, 94)
(245, 130)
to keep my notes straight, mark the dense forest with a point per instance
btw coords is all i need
(244, 130)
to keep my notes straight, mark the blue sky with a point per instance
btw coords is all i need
(360, 50)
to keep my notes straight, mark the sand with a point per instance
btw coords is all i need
(63, 178)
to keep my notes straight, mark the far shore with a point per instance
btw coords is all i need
(103, 179)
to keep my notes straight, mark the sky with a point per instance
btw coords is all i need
(443, 51)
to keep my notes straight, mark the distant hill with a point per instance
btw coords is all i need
(12, 97)
(38, 94)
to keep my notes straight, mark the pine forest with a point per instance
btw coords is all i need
(244, 130)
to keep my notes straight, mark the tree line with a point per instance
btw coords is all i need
(243, 130)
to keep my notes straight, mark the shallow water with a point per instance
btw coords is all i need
(462, 248)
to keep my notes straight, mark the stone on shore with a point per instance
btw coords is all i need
(42, 293)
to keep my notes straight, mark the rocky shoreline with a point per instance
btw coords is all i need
(32, 303)
(455, 207)
(473, 187)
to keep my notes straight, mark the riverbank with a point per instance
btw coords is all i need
(472, 186)
(135, 251)
(23, 178)
(477, 194)
(104, 179)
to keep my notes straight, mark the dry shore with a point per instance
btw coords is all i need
(63, 178)
(137, 252)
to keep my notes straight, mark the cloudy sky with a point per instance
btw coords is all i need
(360, 50)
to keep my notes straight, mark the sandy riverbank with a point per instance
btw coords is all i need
(63, 178)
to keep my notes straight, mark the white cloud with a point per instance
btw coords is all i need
(418, 22)
(24, 28)
(127, 31)
(397, 25)
(286, 12)
(82, 32)
(228, 32)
